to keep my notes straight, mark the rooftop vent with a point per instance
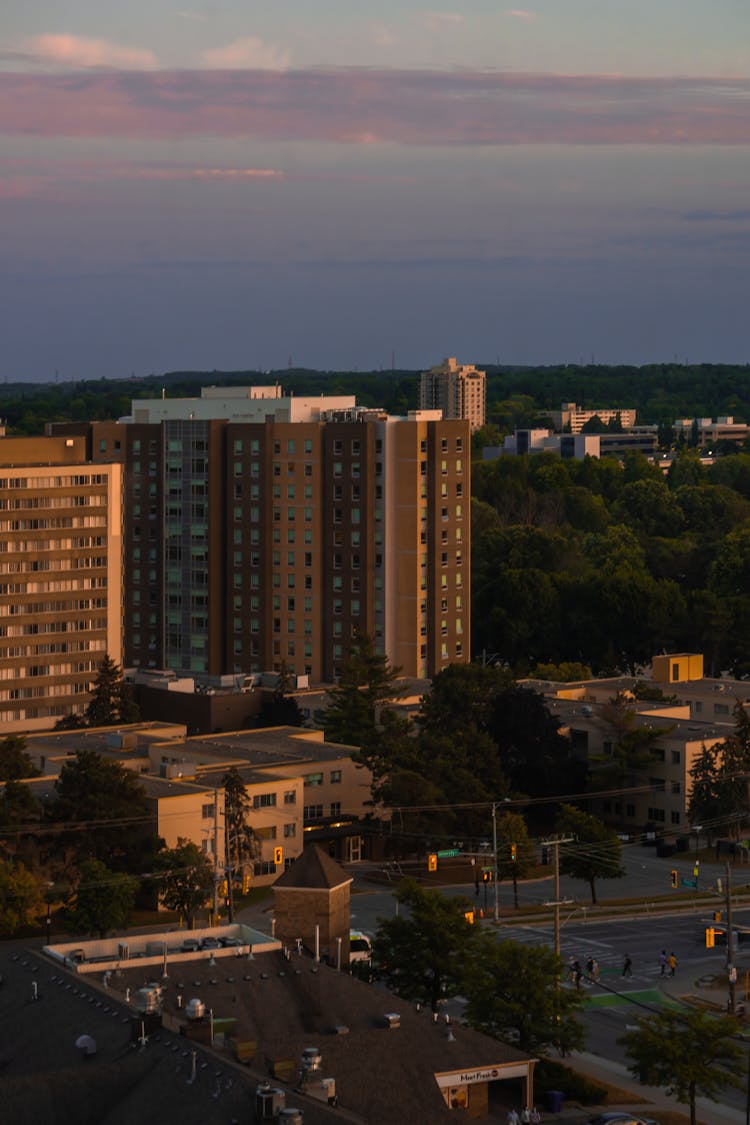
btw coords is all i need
(195, 1009)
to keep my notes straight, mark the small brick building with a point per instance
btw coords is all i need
(314, 892)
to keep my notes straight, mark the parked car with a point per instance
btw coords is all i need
(190, 945)
(231, 942)
(210, 943)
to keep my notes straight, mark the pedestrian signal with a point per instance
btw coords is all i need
(278, 856)
(432, 862)
(469, 916)
(675, 878)
(710, 937)
(513, 852)
(486, 876)
(545, 856)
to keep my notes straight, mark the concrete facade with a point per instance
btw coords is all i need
(60, 577)
(459, 390)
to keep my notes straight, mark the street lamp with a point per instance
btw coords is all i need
(697, 828)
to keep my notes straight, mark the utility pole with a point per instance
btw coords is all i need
(731, 970)
(494, 861)
(557, 903)
(216, 856)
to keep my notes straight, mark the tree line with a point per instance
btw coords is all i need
(605, 564)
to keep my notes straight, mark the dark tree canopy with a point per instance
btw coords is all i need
(366, 682)
(187, 879)
(15, 763)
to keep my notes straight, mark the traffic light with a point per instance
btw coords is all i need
(513, 852)
(278, 856)
(486, 876)
(710, 937)
(545, 856)
(469, 916)
(432, 861)
(675, 878)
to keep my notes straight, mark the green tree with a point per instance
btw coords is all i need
(103, 900)
(633, 747)
(21, 897)
(564, 673)
(242, 844)
(186, 879)
(596, 853)
(367, 681)
(423, 954)
(15, 763)
(516, 858)
(110, 798)
(111, 700)
(690, 1053)
(705, 805)
(513, 993)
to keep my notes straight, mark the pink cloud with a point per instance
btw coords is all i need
(74, 51)
(521, 14)
(388, 107)
(249, 53)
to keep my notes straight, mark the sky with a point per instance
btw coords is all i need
(332, 184)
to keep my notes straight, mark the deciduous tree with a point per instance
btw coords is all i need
(187, 879)
(21, 897)
(423, 954)
(513, 992)
(103, 900)
(596, 853)
(688, 1052)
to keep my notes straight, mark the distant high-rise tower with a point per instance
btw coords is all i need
(458, 389)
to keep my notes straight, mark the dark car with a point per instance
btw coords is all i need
(210, 943)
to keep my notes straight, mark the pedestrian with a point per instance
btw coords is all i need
(663, 963)
(672, 962)
(590, 965)
(526, 1116)
(513, 1118)
(535, 1118)
(595, 969)
(577, 973)
(627, 966)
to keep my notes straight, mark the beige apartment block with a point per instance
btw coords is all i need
(60, 577)
(697, 712)
(459, 390)
(573, 417)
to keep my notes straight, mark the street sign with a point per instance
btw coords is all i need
(691, 883)
(448, 853)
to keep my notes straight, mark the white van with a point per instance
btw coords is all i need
(360, 947)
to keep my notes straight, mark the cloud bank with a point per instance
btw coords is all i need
(379, 107)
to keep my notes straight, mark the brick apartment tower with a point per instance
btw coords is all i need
(260, 529)
(458, 389)
(60, 577)
(314, 891)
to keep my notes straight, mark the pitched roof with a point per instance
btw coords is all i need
(313, 870)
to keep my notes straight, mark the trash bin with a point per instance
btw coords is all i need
(555, 1099)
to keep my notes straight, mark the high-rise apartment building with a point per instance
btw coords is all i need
(458, 389)
(60, 577)
(262, 530)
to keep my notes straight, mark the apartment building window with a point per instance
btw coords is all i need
(313, 812)
(311, 779)
(335, 808)
(264, 800)
(336, 777)
(338, 446)
(290, 797)
(264, 867)
(207, 811)
(444, 445)
(308, 445)
(676, 787)
(675, 757)
(657, 815)
(675, 817)
(290, 830)
(337, 469)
